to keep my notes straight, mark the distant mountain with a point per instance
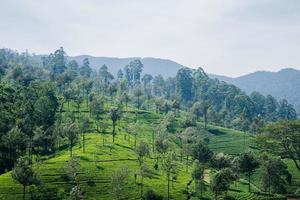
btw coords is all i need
(282, 84)
(153, 66)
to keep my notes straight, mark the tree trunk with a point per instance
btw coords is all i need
(142, 187)
(216, 196)
(205, 121)
(168, 186)
(201, 188)
(153, 142)
(24, 191)
(187, 163)
(249, 181)
(114, 131)
(83, 142)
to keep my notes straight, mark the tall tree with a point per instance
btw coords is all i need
(275, 175)
(119, 181)
(24, 174)
(71, 132)
(184, 84)
(114, 116)
(142, 150)
(198, 176)
(283, 139)
(248, 164)
(169, 166)
(85, 70)
(84, 128)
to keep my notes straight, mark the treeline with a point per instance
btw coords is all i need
(35, 94)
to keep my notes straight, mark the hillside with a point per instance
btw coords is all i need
(101, 160)
(282, 84)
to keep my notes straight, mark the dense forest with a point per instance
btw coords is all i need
(56, 106)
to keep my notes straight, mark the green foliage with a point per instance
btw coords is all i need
(283, 139)
(24, 174)
(275, 175)
(39, 119)
(248, 164)
(151, 195)
(119, 181)
(201, 152)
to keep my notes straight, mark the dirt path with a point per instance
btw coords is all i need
(206, 175)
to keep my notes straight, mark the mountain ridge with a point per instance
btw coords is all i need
(284, 83)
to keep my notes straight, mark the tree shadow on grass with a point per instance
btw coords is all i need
(99, 167)
(216, 131)
(123, 146)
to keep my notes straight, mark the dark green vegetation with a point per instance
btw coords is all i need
(68, 132)
(279, 84)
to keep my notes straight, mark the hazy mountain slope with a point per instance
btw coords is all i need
(153, 66)
(282, 84)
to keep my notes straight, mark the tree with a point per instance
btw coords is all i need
(120, 74)
(275, 175)
(161, 146)
(137, 68)
(24, 174)
(85, 70)
(71, 132)
(286, 110)
(170, 123)
(97, 108)
(221, 182)
(72, 171)
(158, 85)
(114, 116)
(84, 128)
(187, 141)
(147, 78)
(105, 77)
(119, 181)
(143, 172)
(14, 141)
(248, 164)
(142, 150)
(198, 176)
(184, 84)
(282, 139)
(169, 166)
(221, 160)
(151, 195)
(135, 129)
(138, 93)
(176, 106)
(201, 152)
(196, 109)
(204, 106)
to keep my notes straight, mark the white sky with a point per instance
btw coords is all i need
(227, 37)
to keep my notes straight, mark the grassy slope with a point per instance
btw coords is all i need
(99, 162)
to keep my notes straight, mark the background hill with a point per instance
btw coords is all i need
(282, 84)
(153, 66)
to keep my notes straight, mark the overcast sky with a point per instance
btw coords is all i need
(228, 37)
